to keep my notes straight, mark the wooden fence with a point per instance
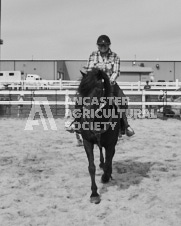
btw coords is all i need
(72, 85)
(69, 100)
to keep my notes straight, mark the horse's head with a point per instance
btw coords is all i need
(94, 83)
(94, 86)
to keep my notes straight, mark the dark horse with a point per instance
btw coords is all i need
(101, 128)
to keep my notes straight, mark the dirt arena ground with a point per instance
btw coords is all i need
(45, 180)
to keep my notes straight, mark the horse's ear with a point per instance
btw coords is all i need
(83, 73)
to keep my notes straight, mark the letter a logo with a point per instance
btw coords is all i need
(36, 108)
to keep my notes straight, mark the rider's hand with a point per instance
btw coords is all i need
(101, 66)
(113, 78)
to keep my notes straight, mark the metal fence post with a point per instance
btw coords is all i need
(67, 103)
(60, 83)
(177, 83)
(143, 103)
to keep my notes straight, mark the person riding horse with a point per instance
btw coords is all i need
(108, 61)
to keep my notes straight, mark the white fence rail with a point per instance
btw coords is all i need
(66, 84)
(72, 85)
(70, 101)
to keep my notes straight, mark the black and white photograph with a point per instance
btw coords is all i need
(90, 113)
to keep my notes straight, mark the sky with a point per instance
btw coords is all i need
(68, 29)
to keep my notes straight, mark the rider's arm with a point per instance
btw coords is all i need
(91, 62)
(116, 69)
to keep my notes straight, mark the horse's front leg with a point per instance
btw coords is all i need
(110, 151)
(101, 165)
(95, 197)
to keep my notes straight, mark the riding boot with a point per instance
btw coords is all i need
(122, 126)
(79, 140)
(125, 127)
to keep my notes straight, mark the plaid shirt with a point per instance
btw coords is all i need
(111, 62)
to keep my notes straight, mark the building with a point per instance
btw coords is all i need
(70, 69)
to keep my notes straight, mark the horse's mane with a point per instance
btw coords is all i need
(90, 81)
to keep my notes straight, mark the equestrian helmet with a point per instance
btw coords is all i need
(103, 39)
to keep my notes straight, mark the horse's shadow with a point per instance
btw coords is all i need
(127, 173)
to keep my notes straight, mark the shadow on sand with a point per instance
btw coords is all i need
(127, 173)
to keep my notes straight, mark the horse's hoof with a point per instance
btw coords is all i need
(105, 178)
(95, 200)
